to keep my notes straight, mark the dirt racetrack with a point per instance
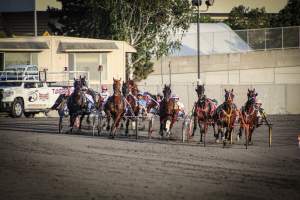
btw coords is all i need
(38, 163)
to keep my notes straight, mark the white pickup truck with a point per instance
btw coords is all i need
(28, 98)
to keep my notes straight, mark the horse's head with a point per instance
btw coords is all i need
(252, 96)
(200, 90)
(167, 91)
(125, 89)
(229, 96)
(132, 87)
(117, 85)
(83, 81)
(77, 84)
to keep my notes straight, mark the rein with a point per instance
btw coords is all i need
(131, 109)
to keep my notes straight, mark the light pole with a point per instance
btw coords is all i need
(100, 68)
(198, 4)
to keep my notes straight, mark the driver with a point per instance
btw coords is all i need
(142, 103)
(180, 105)
(104, 94)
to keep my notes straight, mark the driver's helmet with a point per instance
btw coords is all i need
(174, 96)
(103, 88)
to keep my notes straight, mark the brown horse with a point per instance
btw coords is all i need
(168, 111)
(225, 117)
(132, 107)
(203, 112)
(249, 116)
(115, 108)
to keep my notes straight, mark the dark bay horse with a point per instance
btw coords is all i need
(132, 107)
(76, 103)
(225, 117)
(249, 116)
(168, 111)
(132, 87)
(203, 112)
(115, 108)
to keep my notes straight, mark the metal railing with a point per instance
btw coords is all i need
(234, 41)
(271, 38)
(13, 76)
(61, 78)
(67, 77)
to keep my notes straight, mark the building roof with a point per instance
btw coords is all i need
(83, 46)
(23, 46)
(215, 38)
(66, 44)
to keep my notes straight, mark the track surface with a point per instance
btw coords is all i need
(37, 163)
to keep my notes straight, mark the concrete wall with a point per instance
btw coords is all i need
(259, 67)
(275, 99)
(274, 74)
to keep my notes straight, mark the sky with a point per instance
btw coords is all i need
(225, 6)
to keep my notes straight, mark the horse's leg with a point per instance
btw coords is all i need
(214, 128)
(201, 131)
(240, 134)
(168, 127)
(150, 130)
(126, 127)
(250, 135)
(171, 125)
(204, 132)
(80, 123)
(246, 128)
(195, 125)
(218, 133)
(116, 124)
(161, 128)
(108, 116)
(60, 123)
(72, 121)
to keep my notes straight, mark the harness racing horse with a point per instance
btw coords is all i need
(225, 117)
(249, 117)
(132, 87)
(132, 107)
(114, 108)
(203, 112)
(168, 111)
(76, 103)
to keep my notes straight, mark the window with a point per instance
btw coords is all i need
(40, 85)
(20, 58)
(17, 59)
(1, 61)
(29, 85)
(89, 62)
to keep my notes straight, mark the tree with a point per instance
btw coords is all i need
(203, 19)
(146, 25)
(288, 16)
(242, 17)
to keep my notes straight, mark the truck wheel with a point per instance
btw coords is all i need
(17, 108)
